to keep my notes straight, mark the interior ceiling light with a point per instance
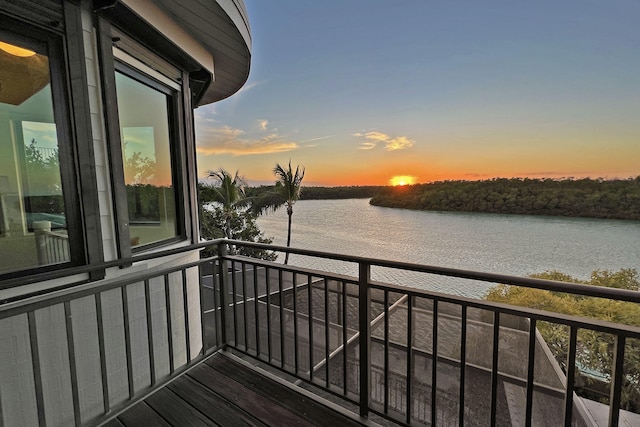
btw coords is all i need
(23, 73)
(15, 50)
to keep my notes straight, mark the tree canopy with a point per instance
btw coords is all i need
(594, 198)
(228, 191)
(236, 223)
(595, 349)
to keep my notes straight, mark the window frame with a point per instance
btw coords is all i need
(179, 102)
(63, 45)
(173, 113)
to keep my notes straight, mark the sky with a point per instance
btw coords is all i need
(379, 92)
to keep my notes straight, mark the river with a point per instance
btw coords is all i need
(506, 244)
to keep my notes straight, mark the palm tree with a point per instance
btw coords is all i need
(288, 186)
(229, 192)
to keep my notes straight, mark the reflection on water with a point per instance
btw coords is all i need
(506, 244)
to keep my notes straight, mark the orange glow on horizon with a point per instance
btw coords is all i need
(402, 180)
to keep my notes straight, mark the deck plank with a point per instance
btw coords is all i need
(211, 404)
(176, 411)
(113, 423)
(142, 415)
(222, 391)
(296, 402)
(248, 400)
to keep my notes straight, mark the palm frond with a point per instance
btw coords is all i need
(289, 182)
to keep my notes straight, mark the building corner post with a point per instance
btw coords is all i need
(364, 320)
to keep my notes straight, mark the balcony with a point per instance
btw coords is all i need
(353, 349)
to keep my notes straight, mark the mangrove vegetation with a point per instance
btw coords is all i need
(593, 198)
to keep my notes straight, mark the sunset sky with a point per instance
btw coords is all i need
(362, 91)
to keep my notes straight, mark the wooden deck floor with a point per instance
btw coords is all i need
(223, 392)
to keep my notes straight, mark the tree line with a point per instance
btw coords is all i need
(350, 192)
(593, 198)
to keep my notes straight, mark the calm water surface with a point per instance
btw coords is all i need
(506, 244)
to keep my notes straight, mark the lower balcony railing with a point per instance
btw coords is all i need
(412, 356)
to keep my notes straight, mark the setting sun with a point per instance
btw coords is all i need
(402, 180)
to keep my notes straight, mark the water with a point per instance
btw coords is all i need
(506, 244)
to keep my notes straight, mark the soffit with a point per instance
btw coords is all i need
(222, 28)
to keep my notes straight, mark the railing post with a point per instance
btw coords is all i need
(41, 230)
(223, 272)
(364, 320)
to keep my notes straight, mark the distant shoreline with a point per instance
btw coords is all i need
(575, 198)
(583, 198)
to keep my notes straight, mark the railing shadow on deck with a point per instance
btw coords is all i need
(408, 355)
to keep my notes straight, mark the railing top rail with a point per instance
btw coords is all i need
(529, 282)
(541, 315)
(84, 269)
(571, 288)
(85, 289)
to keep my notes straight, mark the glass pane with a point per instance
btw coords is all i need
(146, 151)
(33, 226)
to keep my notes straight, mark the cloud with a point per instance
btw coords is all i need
(263, 124)
(372, 138)
(316, 139)
(228, 140)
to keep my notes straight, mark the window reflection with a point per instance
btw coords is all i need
(33, 227)
(146, 150)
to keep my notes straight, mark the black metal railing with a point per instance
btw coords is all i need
(107, 344)
(409, 355)
(416, 356)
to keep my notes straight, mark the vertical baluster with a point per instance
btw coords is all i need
(217, 302)
(386, 351)
(530, 372)
(364, 320)
(167, 297)
(310, 323)
(50, 254)
(35, 362)
(571, 371)
(295, 322)
(234, 302)
(221, 304)
(185, 302)
(127, 340)
(344, 338)
(327, 336)
(245, 316)
(73, 371)
(281, 293)
(268, 296)
(463, 362)
(494, 369)
(617, 379)
(434, 364)
(256, 307)
(152, 362)
(102, 350)
(203, 316)
(410, 357)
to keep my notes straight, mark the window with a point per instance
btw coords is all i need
(148, 120)
(145, 116)
(33, 186)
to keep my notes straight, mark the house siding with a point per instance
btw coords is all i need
(54, 367)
